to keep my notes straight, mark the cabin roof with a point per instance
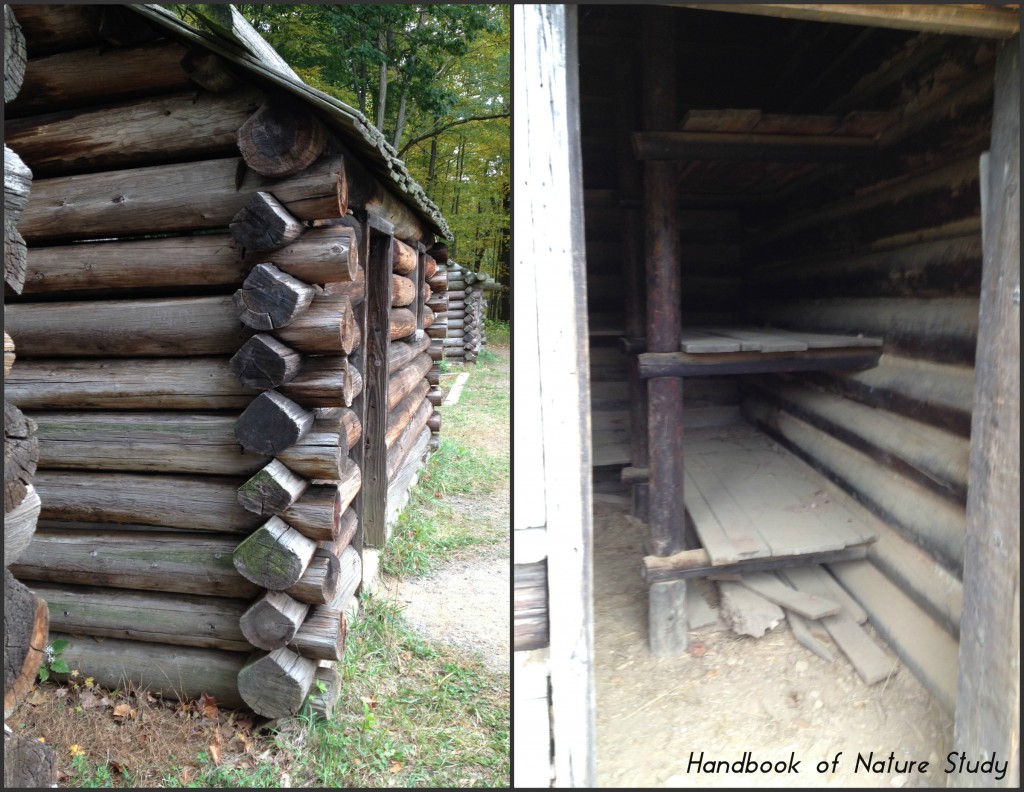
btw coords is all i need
(235, 40)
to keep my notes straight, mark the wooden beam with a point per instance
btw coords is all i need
(697, 563)
(651, 146)
(988, 700)
(965, 20)
(684, 364)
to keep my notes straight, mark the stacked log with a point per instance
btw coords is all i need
(192, 348)
(438, 305)
(26, 617)
(466, 311)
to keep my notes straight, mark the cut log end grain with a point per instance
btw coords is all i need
(21, 454)
(263, 362)
(271, 299)
(8, 353)
(274, 556)
(209, 71)
(20, 525)
(264, 224)
(281, 138)
(26, 624)
(15, 257)
(15, 55)
(272, 423)
(30, 764)
(273, 620)
(275, 685)
(272, 489)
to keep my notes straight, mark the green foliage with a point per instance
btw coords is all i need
(498, 332)
(53, 662)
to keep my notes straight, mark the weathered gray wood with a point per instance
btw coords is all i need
(170, 327)
(529, 606)
(988, 699)
(321, 636)
(186, 563)
(147, 131)
(271, 423)
(25, 630)
(209, 71)
(322, 255)
(349, 578)
(198, 503)
(161, 198)
(15, 56)
(772, 589)
(153, 617)
(802, 632)
(274, 555)
(28, 763)
(272, 490)
(181, 672)
(726, 146)
(328, 326)
(319, 583)
(263, 225)
(271, 621)
(403, 380)
(17, 185)
(325, 692)
(20, 525)
(317, 513)
(400, 448)
(654, 365)
(406, 475)
(405, 410)
(263, 362)
(320, 454)
(815, 578)
(697, 563)
(746, 611)
(400, 353)
(666, 618)
(88, 76)
(15, 257)
(282, 137)
(275, 685)
(324, 381)
(21, 455)
(343, 420)
(271, 299)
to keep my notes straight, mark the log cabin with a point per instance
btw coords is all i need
(215, 289)
(765, 251)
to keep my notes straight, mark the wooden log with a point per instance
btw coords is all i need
(272, 620)
(439, 252)
(402, 323)
(403, 258)
(20, 525)
(456, 284)
(403, 291)
(129, 134)
(434, 376)
(275, 685)
(439, 282)
(405, 379)
(28, 764)
(350, 577)
(435, 396)
(406, 475)
(173, 672)
(209, 71)
(404, 411)
(318, 455)
(438, 303)
(186, 563)
(274, 556)
(347, 533)
(696, 563)
(683, 364)
(272, 490)
(439, 330)
(15, 55)
(263, 362)
(21, 454)
(400, 353)
(123, 28)
(399, 449)
(428, 317)
(17, 185)
(324, 694)
(25, 630)
(328, 326)
(726, 146)
(456, 296)
(15, 257)
(272, 423)
(264, 225)
(322, 255)
(166, 198)
(319, 583)
(127, 328)
(325, 381)
(154, 617)
(191, 502)
(96, 75)
(434, 422)
(281, 138)
(317, 513)
(53, 28)
(321, 636)
(342, 420)
(436, 350)
(271, 299)
(429, 266)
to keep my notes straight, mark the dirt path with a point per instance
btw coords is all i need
(731, 694)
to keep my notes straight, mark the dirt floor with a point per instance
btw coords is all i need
(731, 694)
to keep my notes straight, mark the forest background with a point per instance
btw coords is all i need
(435, 79)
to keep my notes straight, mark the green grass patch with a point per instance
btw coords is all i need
(498, 332)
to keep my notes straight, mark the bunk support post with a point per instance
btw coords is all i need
(666, 601)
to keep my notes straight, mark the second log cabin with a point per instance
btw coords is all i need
(217, 295)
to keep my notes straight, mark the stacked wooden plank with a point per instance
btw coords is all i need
(193, 335)
(26, 616)
(467, 309)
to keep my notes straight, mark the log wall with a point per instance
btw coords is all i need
(193, 339)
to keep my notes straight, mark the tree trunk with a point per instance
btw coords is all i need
(274, 556)
(25, 630)
(168, 561)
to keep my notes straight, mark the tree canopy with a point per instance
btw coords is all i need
(435, 79)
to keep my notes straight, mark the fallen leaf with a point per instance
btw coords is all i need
(124, 711)
(115, 766)
(89, 700)
(76, 750)
(149, 698)
(396, 767)
(215, 753)
(187, 774)
(36, 697)
(698, 649)
(143, 739)
(369, 702)
(60, 692)
(208, 706)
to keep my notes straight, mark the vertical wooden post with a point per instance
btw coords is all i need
(375, 381)
(987, 723)
(630, 182)
(419, 279)
(357, 452)
(666, 603)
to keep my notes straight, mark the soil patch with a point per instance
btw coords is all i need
(730, 694)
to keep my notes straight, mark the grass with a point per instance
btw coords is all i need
(411, 712)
